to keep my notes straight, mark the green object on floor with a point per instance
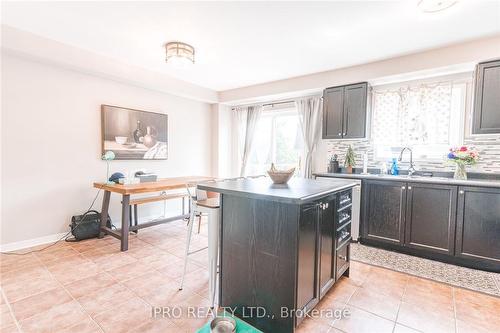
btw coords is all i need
(241, 326)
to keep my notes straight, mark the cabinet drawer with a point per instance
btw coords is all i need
(344, 234)
(343, 255)
(344, 216)
(345, 199)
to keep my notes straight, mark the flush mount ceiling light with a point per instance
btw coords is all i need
(179, 52)
(433, 6)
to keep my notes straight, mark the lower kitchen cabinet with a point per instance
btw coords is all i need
(478, 225)
(308, 270)
(327, 244)
(460, 225)
(430, 217)
(384, 211)
(323, 248)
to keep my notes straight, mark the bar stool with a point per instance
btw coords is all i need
(204, 204)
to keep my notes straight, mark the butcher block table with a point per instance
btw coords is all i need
(161, 185)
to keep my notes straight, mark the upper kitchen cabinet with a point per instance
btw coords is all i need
(487, 98)
(344, 111)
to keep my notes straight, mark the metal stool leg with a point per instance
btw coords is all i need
(188, 241)
(199, 223)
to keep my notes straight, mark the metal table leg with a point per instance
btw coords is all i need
(104, 212)
(125, 222)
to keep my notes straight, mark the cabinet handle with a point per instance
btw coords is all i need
(326, 205)
(343, 257)
(340, 134)
(461, 192)
(344, 134)
(409, 188)
(403, 187)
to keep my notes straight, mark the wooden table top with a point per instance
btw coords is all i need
(163, 184)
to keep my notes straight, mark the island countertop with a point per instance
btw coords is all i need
(297, 190)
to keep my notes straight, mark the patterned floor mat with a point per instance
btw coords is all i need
(473, 279)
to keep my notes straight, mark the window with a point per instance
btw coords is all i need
(427, 118)
(278, 139)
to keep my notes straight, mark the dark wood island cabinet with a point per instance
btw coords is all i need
(282, 247)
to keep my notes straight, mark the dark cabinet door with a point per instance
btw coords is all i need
(308, 261)
(327, 214)
(355, 111)
(333, 112)
(430, 217)
(487, 98)
(478, 224)
(384, 211)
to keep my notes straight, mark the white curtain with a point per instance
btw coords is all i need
(249, 116)
(412, 115)
(309, 110)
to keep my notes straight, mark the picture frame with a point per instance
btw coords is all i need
(133, 134)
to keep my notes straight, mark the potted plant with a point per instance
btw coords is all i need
(350, 162)
(333, 166)
(462, 157)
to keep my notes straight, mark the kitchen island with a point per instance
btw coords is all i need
(282, 247)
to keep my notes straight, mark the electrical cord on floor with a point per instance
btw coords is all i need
(65, 237)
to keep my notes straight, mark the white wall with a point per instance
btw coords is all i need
(51, 144)
(224, 142)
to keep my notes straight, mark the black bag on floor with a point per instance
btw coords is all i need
(87, 225)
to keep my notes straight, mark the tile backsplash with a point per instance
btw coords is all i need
(488, 148)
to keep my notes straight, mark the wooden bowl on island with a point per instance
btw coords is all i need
(280, 176)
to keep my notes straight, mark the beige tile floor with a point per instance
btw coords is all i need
(91, 286)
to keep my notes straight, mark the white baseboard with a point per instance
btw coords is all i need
(52, 238)
(30, 242)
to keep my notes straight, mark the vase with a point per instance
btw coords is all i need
(138, 133)
(333, 167)
(149, 140)
(460, 172)
(348, 169)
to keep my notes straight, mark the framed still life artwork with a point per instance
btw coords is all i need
(134, 134)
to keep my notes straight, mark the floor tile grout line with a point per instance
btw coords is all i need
(159, 272)
(11, 311)
(358, 308)
(100, 270)
(34, 294)
(74, 299)
(400, 303)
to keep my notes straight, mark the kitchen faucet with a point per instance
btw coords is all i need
(411, 169)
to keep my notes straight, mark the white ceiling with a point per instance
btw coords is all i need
(245, 43)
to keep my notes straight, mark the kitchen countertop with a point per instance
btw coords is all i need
(416, 179)
(297, 190)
